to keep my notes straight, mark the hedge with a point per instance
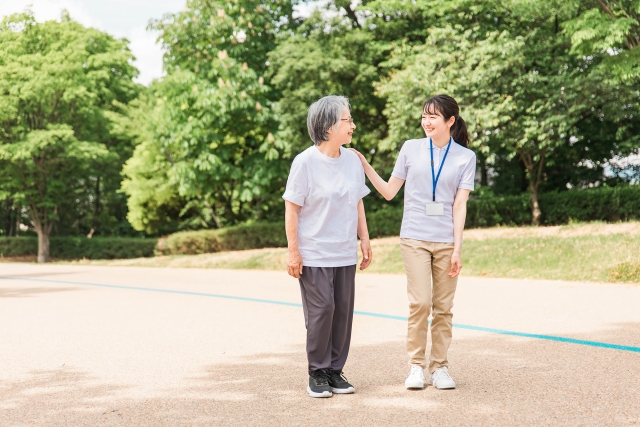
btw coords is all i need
(601, 204)
(80, 247)
(608, 204)
(245, 236)
(18, 246)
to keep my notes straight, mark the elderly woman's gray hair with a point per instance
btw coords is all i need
(325, 114)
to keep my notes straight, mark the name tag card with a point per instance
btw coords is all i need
(435, 209)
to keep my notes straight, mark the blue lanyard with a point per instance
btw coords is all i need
(433, 172)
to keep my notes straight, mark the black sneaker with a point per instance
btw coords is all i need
(319, 384)
(339, 384)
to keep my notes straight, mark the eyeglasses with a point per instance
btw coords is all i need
(350, 120)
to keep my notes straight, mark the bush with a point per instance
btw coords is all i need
(625, 272)
(384, 222)
(509, 210)
(101, 247)
(601, 204)
(486, 212)
(80, 247)
(609, 204)
(245, 236)
(18, 246)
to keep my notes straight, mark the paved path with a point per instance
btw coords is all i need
(106, 346)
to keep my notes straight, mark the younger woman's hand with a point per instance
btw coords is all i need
(456, 264)
(360, 156)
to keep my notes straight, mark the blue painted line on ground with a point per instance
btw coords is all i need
(359, 313)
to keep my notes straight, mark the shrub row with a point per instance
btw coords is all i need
(80, 247)
(601, 204)
(245, 236)
(513, 210)
(608, 204)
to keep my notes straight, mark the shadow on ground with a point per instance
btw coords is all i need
(501, 381)
(51, 273)
(30, 292)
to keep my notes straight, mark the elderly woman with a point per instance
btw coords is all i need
(324, 215)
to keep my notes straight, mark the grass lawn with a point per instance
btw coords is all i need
(582, 252)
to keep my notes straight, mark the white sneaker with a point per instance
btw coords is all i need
(415, 378)
(441, 379)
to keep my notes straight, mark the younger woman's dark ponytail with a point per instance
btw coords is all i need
(447, 107)
(459, 132)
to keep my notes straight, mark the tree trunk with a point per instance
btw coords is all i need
(43, 228)
(43, 245)
(534, 170)
(11, 220)
(96, 211)
(536, 213)
(524, 178)
(484, 171)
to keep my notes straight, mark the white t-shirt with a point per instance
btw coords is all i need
(328, 190)
(414, 166)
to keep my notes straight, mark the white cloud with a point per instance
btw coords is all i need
(305, 9)
(148, 54)
(121, 18)
(46, 10)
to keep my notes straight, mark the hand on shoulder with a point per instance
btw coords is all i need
(360, 156)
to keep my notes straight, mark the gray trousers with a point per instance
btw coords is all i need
(328, 295)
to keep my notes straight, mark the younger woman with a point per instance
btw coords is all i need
(439, 171)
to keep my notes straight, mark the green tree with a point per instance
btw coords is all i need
(153, 200)
(328, 56)
(611, 27)
(212, 121)
(522, 91)
(341, 49)
(58, 82)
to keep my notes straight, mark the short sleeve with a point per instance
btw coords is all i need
(400, 170)
(467, 179)
(363, 190)
(297, 188)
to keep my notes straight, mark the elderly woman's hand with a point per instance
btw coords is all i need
(294, 264)
(360, 156)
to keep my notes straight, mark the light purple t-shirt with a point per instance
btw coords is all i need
(414, 166)
(328, 191)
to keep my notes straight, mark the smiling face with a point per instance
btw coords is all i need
(434, 125)
(344, 132)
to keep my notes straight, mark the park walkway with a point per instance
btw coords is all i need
(124, 346)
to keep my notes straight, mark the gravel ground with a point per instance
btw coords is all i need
(74, 354)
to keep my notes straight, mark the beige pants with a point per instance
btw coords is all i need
(422, 261)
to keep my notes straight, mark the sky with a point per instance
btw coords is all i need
(121, 18)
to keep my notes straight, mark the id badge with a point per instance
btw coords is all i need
(435, 209)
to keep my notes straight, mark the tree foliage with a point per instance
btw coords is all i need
(611, 27)
(329, 56)
(212, 124)
(539, 93)
(523, 92)
(549, 89)
(59, 81)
